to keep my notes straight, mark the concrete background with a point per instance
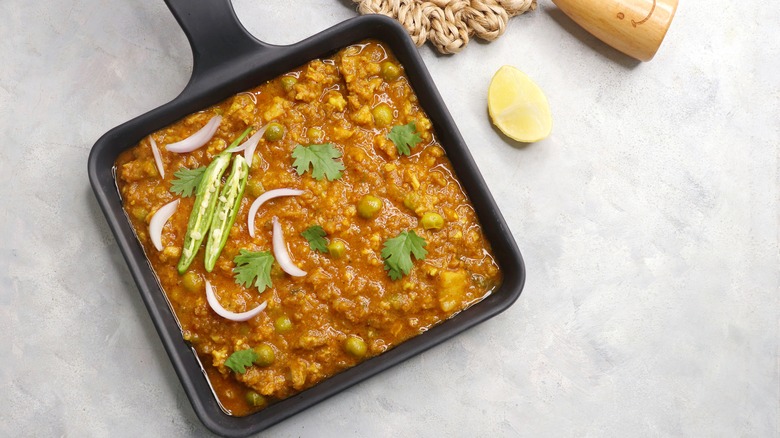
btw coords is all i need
(648, 222)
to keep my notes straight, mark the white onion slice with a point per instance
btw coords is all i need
(159, 220)
(276, 193)
(227, 314)
(281, 253)
(237, 148)
(157, 158)
(251, 145)
(197, 139)
(250, 142)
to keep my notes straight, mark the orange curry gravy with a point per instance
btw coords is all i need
(330, 101)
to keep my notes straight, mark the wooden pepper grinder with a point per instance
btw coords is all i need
(635, 27)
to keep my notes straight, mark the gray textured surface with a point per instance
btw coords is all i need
(648, 221)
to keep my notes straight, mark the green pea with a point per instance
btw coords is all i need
(314, 134)
(254, 399)
(265, 355)
(355, 346)
(288, 82)
(431, 220)
(369, 206)
(383, 114)
(255, 188)
(192, 282)
(283, 324)
(412, 201)
(140, 213)
(274, 132)
(390, 71)
(336, 248)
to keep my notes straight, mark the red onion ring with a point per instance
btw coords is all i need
(265, 197)
(281, 253)
(227, 314)
(197, 139)
(251, 142)
(159, 220)
(157, 158)
(251, 145)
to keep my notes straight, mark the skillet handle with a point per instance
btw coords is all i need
(214, 33)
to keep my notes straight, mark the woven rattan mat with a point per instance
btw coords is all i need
(448, 24)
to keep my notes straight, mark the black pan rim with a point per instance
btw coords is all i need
(230, 79)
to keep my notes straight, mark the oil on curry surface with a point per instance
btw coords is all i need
(387, 241)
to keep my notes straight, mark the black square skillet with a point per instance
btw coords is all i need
(228, 60)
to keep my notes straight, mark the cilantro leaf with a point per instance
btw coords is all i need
(316, 237)
(240, 360)
(187, 181)
(253, 267)
(398, 252)
(404, 137)
(321, 157)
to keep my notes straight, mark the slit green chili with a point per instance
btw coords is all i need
(228, 204)
(202, 211)
(206, 198)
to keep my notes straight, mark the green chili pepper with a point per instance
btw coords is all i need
(202, 211)
(229, 202)
(238, 140)
(205, 202)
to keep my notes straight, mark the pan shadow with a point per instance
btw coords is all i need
(508, 140)
(121, 271)
(589, 40)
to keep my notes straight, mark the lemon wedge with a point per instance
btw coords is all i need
(518, 107)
